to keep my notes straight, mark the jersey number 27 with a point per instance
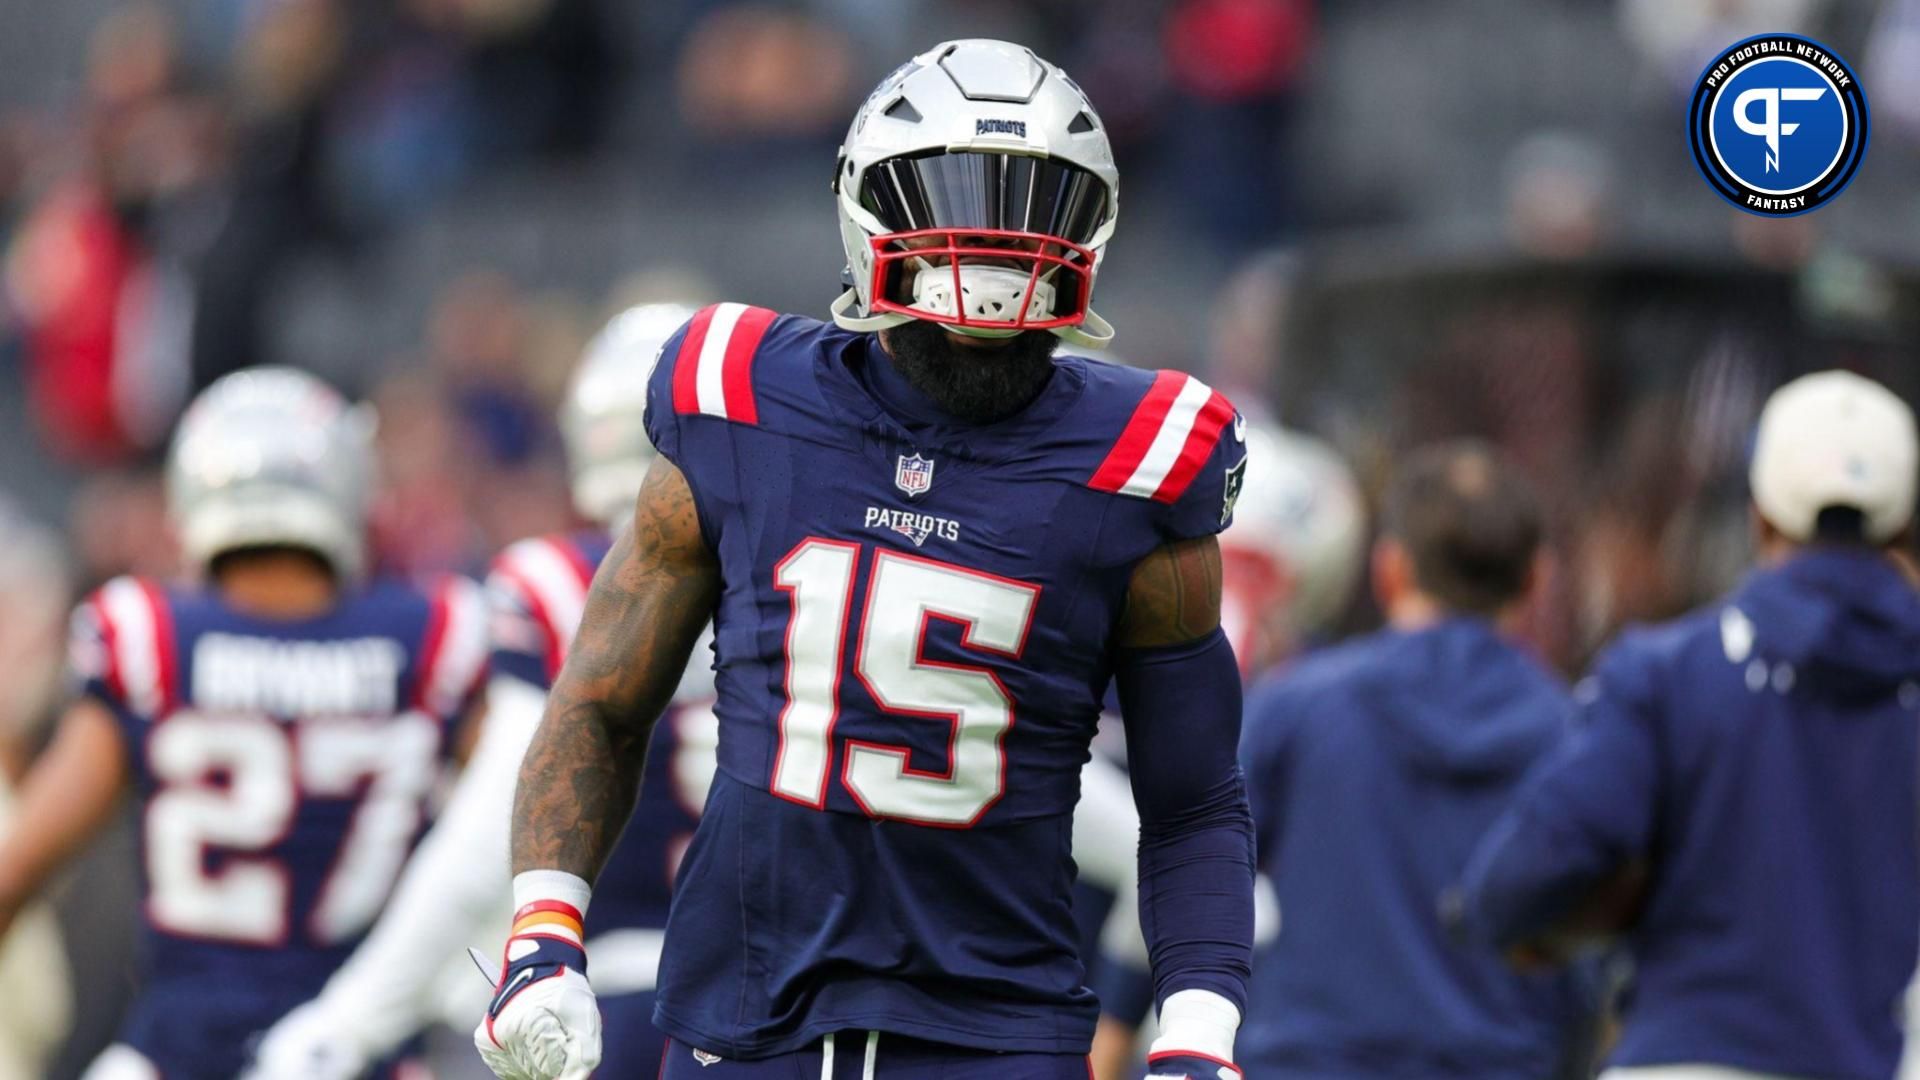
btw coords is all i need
(904, 594)
(231, 786)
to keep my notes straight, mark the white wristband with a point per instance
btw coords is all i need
(1197, 1022)
(534, 885)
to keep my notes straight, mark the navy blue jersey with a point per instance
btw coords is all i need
(914, 635)
(537, 589)
(283, 769)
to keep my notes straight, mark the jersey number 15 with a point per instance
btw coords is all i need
(904, 594)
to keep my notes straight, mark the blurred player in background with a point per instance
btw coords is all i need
(33, 578)
(458, 885)
(1290, 562)
(1755, 763)
(281, 721)
(1288, 567)
(927, 550)
(1373, 769)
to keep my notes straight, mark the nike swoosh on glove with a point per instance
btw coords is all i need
(543, 1022)
(1178, 1066)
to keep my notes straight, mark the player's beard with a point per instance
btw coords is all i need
(977, 384)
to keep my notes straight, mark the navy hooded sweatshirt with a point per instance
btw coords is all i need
(1760, 755)
(1373, 769)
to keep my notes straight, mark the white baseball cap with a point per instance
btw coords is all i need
(1835, 439)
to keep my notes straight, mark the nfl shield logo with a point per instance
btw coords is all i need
(914, 475)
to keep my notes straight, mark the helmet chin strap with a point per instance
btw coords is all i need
(980, 287)
(845, 310)
(993, 299)
(1092, 333)
(980, 332)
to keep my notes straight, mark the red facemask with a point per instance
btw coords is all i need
(1066, 267)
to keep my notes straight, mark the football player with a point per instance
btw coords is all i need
(458, 882)
(281, 721)
(1293, 556)
(928, 545)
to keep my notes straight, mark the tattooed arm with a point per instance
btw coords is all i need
(650, 599)
(1180, 699)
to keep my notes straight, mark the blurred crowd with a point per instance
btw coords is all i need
(1294, 170)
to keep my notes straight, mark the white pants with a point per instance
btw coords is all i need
(1686, 1073)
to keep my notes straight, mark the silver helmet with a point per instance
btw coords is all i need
(976, 188)
(1300, 517)
(272, 456)
(604, 417)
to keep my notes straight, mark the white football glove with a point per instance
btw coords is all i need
(543, 1023)
(1197, 1029)
(308, 1044)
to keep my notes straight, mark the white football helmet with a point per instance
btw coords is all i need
(1298, 539)
(976, 189)
(603, 420)
(272, 456)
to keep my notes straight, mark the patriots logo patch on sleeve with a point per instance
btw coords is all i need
(1236, 479)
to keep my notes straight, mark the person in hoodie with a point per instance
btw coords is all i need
(1373, 768)
(1754, 765)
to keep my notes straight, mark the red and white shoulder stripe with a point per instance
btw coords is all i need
(136, 626)
(713, 368)
(1170, 435)
(453, 651)
(552, 579)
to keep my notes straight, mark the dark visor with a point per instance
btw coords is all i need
(972, 190)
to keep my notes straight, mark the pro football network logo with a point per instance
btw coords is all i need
(913, 475)
(1778, 124)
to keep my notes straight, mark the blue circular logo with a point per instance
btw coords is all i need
(1779, 125)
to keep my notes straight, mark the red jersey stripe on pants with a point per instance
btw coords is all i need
(873, 1055)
